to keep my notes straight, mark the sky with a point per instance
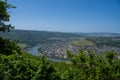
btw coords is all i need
(66, 15)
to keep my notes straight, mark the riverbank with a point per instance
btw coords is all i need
(34, 51)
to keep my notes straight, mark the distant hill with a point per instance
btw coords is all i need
(32, 38)
(35, 37)
(99, 34)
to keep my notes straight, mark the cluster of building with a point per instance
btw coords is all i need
(58, 50)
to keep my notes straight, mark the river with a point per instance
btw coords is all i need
(34, 51)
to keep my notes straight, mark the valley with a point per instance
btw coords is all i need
(54, 45)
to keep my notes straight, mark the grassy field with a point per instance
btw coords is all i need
(82, 42)
(22, 46)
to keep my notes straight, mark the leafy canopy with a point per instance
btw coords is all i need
(4, 15)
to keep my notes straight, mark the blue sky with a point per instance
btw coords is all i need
(66, 15)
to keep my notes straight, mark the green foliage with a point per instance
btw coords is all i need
(18, 65)
(47, 71)
(92, 66)
(8, 47)
(4, 15)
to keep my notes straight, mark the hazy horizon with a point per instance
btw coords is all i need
(64, 31)
(86, 16)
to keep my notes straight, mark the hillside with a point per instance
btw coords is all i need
(32, 38)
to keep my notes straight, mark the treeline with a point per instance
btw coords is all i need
(18, 65)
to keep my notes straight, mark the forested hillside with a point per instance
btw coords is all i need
(33, 38)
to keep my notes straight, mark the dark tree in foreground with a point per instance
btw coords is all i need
(4, 15)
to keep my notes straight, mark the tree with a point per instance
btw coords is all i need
(8, 47)
(4, 15)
